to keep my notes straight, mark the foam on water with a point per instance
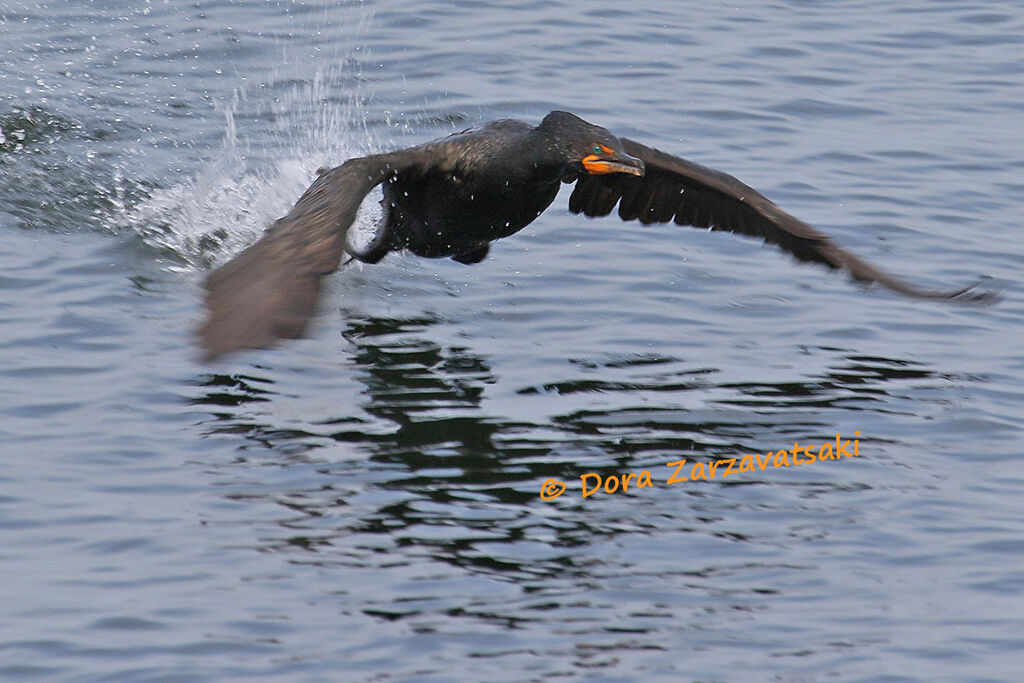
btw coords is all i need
(231, 199)
(317, 118)
(75, 157)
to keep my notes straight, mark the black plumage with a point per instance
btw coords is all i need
(452, 197)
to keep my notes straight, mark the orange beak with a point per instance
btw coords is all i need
(612, 162)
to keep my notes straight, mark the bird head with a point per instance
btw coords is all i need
(588, 148)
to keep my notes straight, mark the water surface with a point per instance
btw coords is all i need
(364, 504)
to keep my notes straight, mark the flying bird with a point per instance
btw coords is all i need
(453, 196)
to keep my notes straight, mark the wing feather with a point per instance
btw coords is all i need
(269, 291)
(674, 189)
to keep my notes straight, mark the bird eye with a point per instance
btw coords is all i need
(596, 150)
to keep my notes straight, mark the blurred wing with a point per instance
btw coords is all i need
(269, 291)
(690, 194)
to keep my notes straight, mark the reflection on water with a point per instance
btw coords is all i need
(423, 423)
(422, 482)
(416, 384)
(857, 379)
(431, 396)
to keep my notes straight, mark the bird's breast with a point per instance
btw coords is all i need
(447, 213)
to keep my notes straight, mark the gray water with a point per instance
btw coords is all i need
(365, 504)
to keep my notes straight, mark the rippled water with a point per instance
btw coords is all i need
(364, 504)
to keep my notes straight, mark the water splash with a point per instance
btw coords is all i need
(117, 149)
(317, 120)
(25, 126)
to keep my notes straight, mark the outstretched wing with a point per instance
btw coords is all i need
(690, 194)
(269, 291)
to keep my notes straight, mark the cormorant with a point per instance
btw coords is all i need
(453, 196)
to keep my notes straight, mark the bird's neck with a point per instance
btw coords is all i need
(551, 158)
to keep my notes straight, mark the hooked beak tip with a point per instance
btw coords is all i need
(638, 169)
